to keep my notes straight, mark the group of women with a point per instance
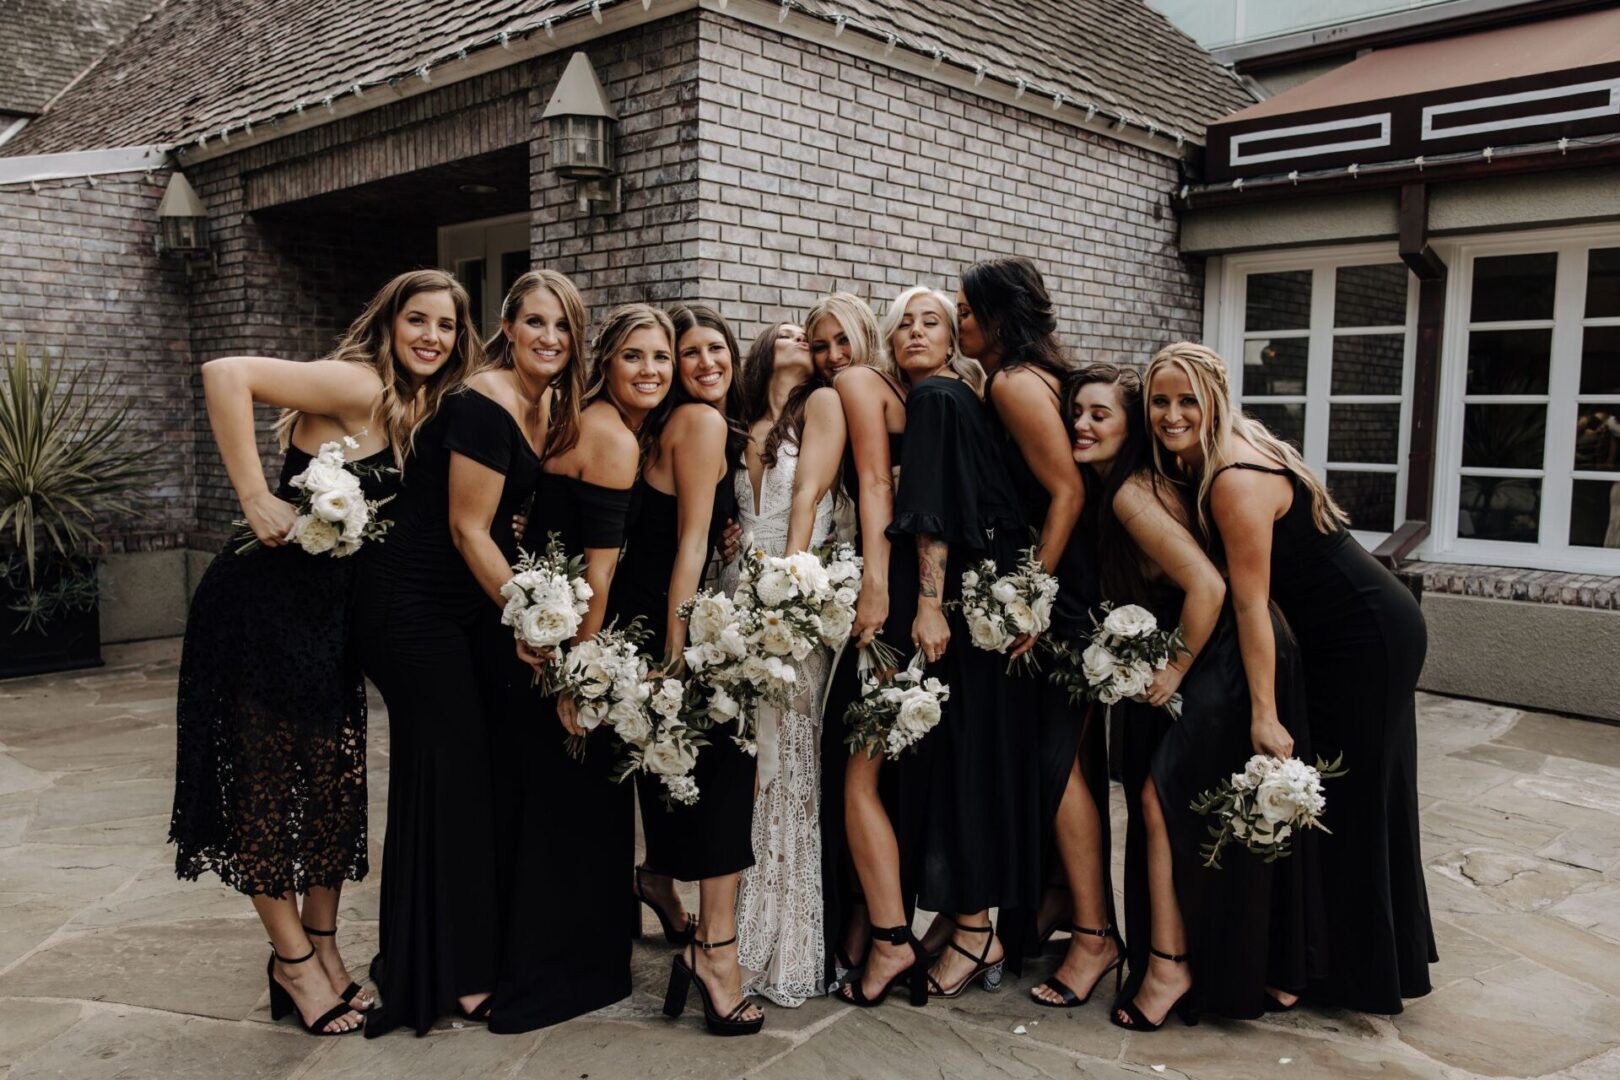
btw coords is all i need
(958, 430)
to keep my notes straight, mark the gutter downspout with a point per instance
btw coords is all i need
(1430, 270)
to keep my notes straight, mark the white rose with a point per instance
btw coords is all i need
(1004, 591)
(732, 643)
(315, 535)
(836, 624)
(710, 616)
(1130, 621)
(582, 589)
(1022, 617)
(590, 714)
(970, 579)
(667, 701)
(1133, 679)
(630, 722)
(988, 634)
(333, 506)
(1274, 799)
(321, 475)
(668, 758)
(1042, 609)
(1254, 771)
(723, 707)
(919, 712)
(1097, 664)
(545, 629)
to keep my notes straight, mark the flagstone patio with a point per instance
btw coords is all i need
(109, 967)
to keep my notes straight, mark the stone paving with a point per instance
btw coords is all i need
(109, 967)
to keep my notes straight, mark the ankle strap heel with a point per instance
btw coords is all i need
(281, 999)
(1067, 998)
(914, 976)
(986, 974)
(353, 990)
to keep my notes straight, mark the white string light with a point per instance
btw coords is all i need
(888, 48)
(781, 16)
(424, 73)
(978, 74)
(1023, 84)
(596, 11)
(839, 24)
(551, 29)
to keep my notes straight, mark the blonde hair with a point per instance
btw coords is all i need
(969, 370)
(568, 391)
(620, 323)
(858, 322)
(1206, 372)
(401, 411)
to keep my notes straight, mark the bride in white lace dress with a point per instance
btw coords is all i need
(785, 504)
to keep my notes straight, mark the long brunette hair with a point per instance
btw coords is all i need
(621, 322)
(401, 411)
(1009, 298)
(757, 394)
(686, 317)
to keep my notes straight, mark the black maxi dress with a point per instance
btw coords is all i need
(840, 888)
(566, 831)
(1065, 729)
(1363, 641)
(969, 807)
(419, 631)
(1249, 924)
(710, 838)
(270, 764)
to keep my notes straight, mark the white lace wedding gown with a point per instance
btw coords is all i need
(779, 937)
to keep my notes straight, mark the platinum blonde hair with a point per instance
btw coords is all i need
(969, 370)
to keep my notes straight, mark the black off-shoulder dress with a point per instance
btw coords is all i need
(565, 829)
(969, 803)
(712, 837)
(270, 769)
(424, 639)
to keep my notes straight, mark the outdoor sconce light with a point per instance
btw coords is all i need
(582, 120)
(183, 223)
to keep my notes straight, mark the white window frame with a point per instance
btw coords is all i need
(1552, 551)
(1227, 280)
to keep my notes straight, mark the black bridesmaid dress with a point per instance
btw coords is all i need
(969, 808)
(1065, 729)
(1250, 925)
(1363, 640)
(566, 831)
(710, 838)
(840, 888)
(422, 631)
(270, 768)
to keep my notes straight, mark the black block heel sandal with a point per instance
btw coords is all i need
(1135, 1021)
(915, 977)
(354, 989)
(282, 1003)
(984, 973)
(683, 975)
(680, 937)
(1071, 1000)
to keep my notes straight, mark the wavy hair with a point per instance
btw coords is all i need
(1009, 298)
(685, 318)
(1222, 420)
(756, 398)
(620, 323)
(401, 411)
(968, 369)
(568, 391)
(855, 318)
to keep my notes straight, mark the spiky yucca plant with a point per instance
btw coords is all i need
(66, 459)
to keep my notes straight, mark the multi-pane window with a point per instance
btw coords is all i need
(1537, 449)
(1324, 365)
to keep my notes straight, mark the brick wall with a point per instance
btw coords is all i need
(81, 279)
(822, 171)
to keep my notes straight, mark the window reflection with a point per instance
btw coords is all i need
(1364, 433)
(1278, 301)
(1508, 361)
(1603, 283)
(1504, 436)
(1370, 295)
(1499, 508)
(1369, 498)
(1600, 360)
(1509, 287)
(1594, 514)
(1275, 367)
(1287, 422)
(1368, 363)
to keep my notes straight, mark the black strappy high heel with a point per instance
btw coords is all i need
(681, 977)
(680, 937)
(1135, 1021)
(915, 976)
(354, 989)
(986, 974)
(282, 1003)
(1071, 1000)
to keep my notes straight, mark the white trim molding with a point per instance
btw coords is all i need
(1550, 95)
(76, 163)
(1236, 156)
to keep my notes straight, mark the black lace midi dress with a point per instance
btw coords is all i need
(968, 823)
(565, 829)
(425, 637)
(270, 763)
(712, 837)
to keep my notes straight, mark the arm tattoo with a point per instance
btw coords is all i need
(931, 553)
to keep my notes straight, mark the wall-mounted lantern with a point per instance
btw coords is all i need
(582, 121)
(183, 223)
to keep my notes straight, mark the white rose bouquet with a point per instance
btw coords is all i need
(334, 515)
(729, 672)
(893, 715)
(1120, 658)
(1000, 608)
(660, 740)
(1265, 804)
(607, 677)
(546, 599)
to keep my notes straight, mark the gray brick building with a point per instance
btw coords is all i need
(767, 153)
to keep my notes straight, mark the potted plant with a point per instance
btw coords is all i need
(66, 462)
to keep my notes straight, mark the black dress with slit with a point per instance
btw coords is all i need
(1066, 730)
(1362, 638)
(1250, 924)
(840, 888)
(565, 829)
(712, 837)
(270, 717)
(969, 803)
(423, 632)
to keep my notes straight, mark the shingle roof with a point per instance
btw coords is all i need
(48, 42)
(198, 65)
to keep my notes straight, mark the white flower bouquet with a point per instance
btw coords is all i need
(661, 742)
(606, 676)
(893, 715)
(731, 674)
(1124, 651)
(546, 599)
(1000, 608)
(334, 515)
(1265, 804)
